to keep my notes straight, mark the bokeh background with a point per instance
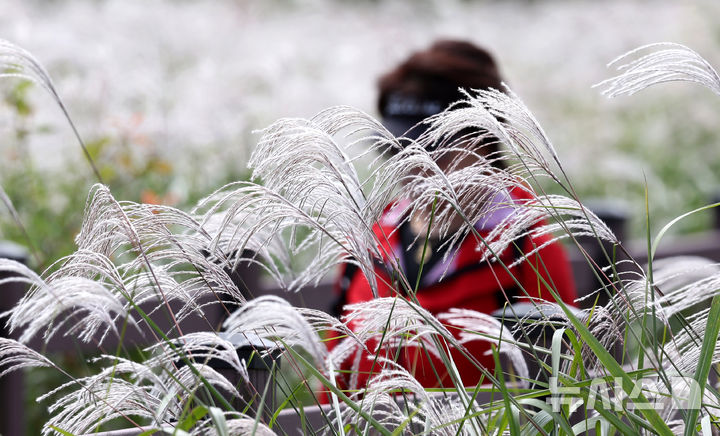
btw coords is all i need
(169, 96)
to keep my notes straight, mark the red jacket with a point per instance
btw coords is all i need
(468, 283)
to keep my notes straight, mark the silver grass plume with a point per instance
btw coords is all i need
(469, 191)
(399, 320)
(18, 62)
(685, 281)
(665, 62)
(604, 322)
(199, 347)
(235, 427)
(309, 181)
(97, 400)
(504, 116)
(163, 254)
(14, 356)
(156, 390)
(528, 214)
(478, 326)
(246, 216)
(605, 325)
(128, 255)
(85, 304)
(235, 229)
(186, 381)
(278, 323)
(424, 411)
(395, 320)
(301, 161)
(687, 286)
(255, 215)
(466, 194)
(680, 283)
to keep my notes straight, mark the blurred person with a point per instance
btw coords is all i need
(423, 85)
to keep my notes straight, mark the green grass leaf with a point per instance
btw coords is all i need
(61, 431)
(614, 368)
(705, 361)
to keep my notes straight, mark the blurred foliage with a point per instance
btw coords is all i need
(49, 200)
(50, 203)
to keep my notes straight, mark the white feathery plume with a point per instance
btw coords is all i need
(683, 350)
(14, 355)
(504, 116)
(470, 190)
(18, 62)
(321, 321)
(166, 252)
(88, 282)
(604, 323)
(395, 383)
(309, 182)
(235, 229)
(16, 272)
(666, 62)
(235, 427)
(139, 372)
(632, 299)
(681, 282)
(471, 193)
(478, 326)
(101, 399)
(378, 401)
(606, 326)
(93, 392)
(322, 161)
(198, 347)
(627, 271)
(187, 380)
(86, 304)
(335, 233)
(303, 163)
(393, 177)
(684, 282)
(529, 213)
(274, 320)
(396, 319)
(158, 391)
(252, 217)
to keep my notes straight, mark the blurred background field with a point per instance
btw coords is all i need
(168, 93)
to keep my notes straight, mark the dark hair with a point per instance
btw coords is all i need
(429, 81)
(435, 74)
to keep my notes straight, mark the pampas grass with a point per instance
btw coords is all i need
(307, 203)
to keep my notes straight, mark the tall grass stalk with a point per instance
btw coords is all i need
(307, 204)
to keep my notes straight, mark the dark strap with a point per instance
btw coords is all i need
(348, 273)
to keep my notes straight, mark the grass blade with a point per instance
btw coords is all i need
(705, 362)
